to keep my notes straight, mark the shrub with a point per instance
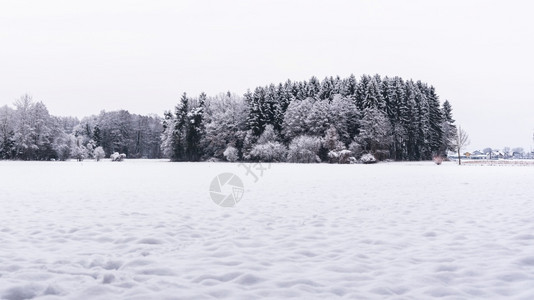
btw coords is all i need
(117, 157)
(340, 157)
(333, 157)
(269, 152)
(356, 149)
(344, 156)
(304, 149)
(231, 154)
(79, 152)
(368, 158)
(99, 153)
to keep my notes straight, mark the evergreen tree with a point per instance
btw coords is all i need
(448, 128)
(435, 120)
(195, 130)
(180, 130)
(6, 133)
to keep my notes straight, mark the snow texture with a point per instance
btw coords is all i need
(148, 230)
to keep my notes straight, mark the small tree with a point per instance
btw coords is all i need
(269, 152)
(79, 152)
(231, 154)
(304, 149)
(268, 135)
(488, 151)
(460, 141)
(99, 153)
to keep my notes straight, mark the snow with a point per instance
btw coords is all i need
(143, 229)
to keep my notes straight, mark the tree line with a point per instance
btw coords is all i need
(312, 121)
(29, 132)
(336, 120)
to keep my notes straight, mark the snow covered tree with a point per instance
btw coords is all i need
(269, 152)
(256, 117)
(331, 145)
(373, 96)
(268, 149)
(460, 141)
(304, 149)
(99, 153)
(344, 116)
(231, 154)
(268, 135)
(375, 133)
(226, 116)
(448, 128)
(195, 130)
(7, 133)
(79, 152)
(435, 122)
(296, 119)
(356, 149)
(23, 143)
(168, 134)
(179, 132)
(317, 121)
(331, 140)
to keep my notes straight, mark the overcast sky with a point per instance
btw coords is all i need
(80, 57)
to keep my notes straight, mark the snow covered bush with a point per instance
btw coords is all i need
(344, 156)
(63, 151)
(333, 156)
(268, 135)
(304, 149)
(356, 149)
(99, 153)
(331, 140)
(231, 154)
(268, 149)
(269, 152)
(117, 157)
(340, 157)
(79, 152)
(368, 158)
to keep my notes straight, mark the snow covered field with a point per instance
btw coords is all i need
(149, 230)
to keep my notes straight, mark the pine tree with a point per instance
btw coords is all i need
(361, 91)
(97, 136)
(313, 87)
(350, 87)
(448, 128)
(436, 120)
(327, 88)
(373, 95)
(179, 132)
(195, 130)
(256, 118)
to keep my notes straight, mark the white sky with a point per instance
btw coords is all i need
(79, 57)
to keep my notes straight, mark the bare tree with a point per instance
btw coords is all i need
(461, 140)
